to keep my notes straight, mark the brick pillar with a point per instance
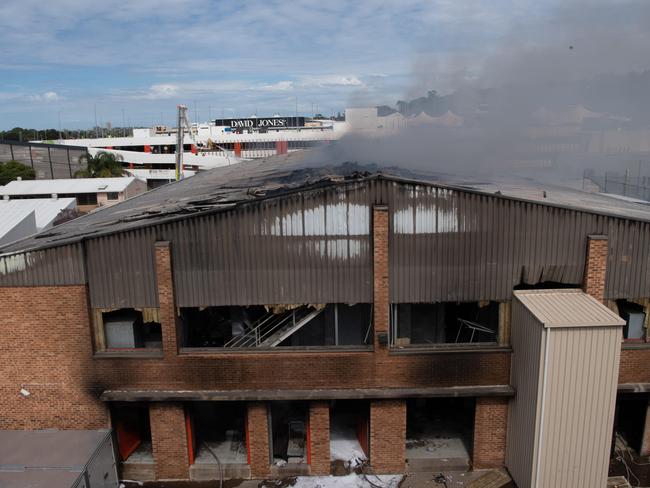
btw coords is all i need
(167, 303)
(319, 437)
(169, 441)
(388, 436)
(381, 296)
(257, 436)
(596, 267)
(490, 429)
(645, 444)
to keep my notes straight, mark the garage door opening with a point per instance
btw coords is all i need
(349, 432)
(289, 427)
(630, 421)
(439, 433)
(133, 433)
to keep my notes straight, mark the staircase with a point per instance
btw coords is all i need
(272, 329)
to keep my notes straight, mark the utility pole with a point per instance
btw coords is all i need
(60, 125)
(96, 126)
(123, 125)
(181, 125)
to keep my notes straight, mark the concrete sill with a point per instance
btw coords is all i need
(449, 349)
(135, 354)
(218, 351)
(635, 345)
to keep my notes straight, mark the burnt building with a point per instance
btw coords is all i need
(271, 315)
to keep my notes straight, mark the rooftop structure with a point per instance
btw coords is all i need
(24, 217)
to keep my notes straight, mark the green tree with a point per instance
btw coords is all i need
(12, 170)
(101, 165)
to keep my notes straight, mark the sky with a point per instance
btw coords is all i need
(67, 63)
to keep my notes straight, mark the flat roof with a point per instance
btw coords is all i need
(66, 186)
(46, 458)
(567, 308)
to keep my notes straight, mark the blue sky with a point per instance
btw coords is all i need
(66, 58)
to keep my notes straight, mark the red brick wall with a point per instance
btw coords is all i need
(380, 273)
(490, 429)
(166, 298)
(388, 436)
(258, 439)
(319, 426)
(596, 267)
(634, 366)
(169, 440)
(46, 349)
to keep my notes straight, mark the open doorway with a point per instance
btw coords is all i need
(289, 426)
(630, 421)
(349, 432)
(133, 434)
(439, 433)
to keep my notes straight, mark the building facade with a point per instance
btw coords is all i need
(255, 317)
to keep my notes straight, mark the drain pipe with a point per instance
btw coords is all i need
(218, 462)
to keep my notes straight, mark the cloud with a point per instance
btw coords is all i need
(279, 86)
(330, 80)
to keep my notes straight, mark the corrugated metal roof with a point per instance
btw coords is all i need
(65, 186)
(567, 308)
(45, 209)
(223, 188)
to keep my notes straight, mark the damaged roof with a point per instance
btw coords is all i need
(226, 187)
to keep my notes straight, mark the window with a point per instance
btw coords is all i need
(444, 323)
(277, 326)
(112, 195)
(635, 317)
(86, 199)
(126, 329)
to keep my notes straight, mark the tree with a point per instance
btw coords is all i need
(101, 165)
(12, 170)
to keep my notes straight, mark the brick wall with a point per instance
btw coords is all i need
(490, 429)
(634, 366)
(46, 349)
(380, 274)
(388, 436)
(596, 267)
(319, 426)
(169, 440)
(166, 298)
(258, 439)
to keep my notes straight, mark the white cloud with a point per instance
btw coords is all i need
(279, 86)
(330, 80)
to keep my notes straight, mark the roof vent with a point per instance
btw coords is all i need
(20, 178)
(102, 187)
(55, 196)
(5, 197)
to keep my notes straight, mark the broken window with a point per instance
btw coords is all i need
(635, 317)
(217, 433)
(133, 433)
(277, 326)
(289, 424)
(127, 328)
(349, 433)
(439, 433)
(444, 323)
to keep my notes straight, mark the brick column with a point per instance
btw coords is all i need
(490, 429)
(167, 303)
(381, 296)
(596, 267)
(388, 436)
(258, 439)
(645, 443)
(319, 437)
(169, 441)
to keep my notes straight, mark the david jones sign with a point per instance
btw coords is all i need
(261, 123)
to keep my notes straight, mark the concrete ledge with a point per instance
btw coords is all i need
(138, 471)
(205, 472)
(135, 354)
(634, 388)
(330, 394)
(449, 349)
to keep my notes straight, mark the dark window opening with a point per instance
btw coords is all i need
(126, 329)
(444, 323)
(112, 195)
(546, 285)
(349, 432)
(217, 431)
(86, 198)
(289, 424)
(634, 316)
(630, 421)
(278, 326)
(133, 432)
(439, 428)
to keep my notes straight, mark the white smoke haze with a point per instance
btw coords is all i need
(593, 53)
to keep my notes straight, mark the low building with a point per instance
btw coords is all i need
(24, 217)
(89, 193)
(282, 316)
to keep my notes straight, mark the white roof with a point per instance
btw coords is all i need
(13, 218)
(45, 209)
(567, 308)
(66, 186)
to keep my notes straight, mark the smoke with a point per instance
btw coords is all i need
(593, 54)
